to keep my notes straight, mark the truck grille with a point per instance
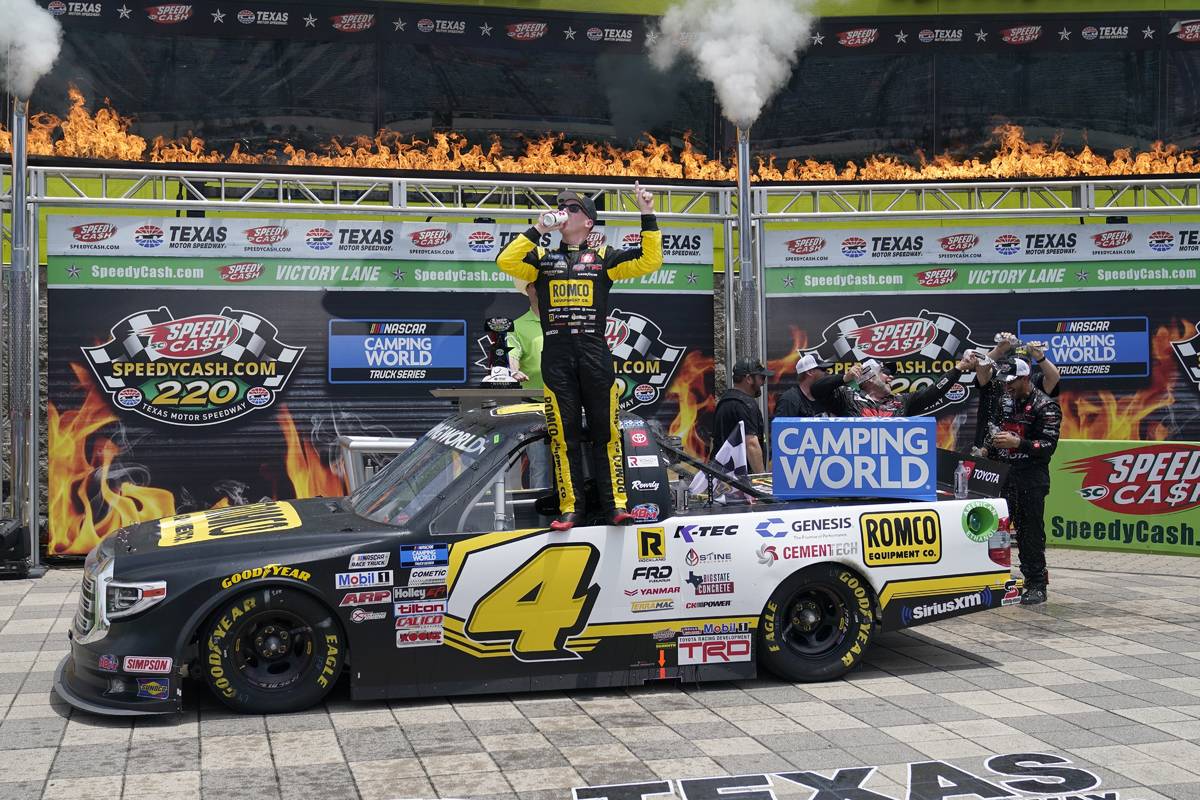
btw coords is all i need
(85, 617)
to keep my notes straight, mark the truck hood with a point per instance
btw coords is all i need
(237, 529)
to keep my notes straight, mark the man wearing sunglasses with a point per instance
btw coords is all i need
(572, 283)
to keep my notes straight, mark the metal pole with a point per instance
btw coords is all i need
(731, 316)
(34, 393)
(20, 376)
(748, 320)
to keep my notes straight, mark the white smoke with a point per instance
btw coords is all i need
(745, 48)
(30, 38)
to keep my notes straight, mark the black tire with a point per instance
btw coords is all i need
(273, 650)
(817, 624)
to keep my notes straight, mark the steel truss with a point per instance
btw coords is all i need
(1146, 195)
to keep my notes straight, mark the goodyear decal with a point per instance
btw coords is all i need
(901, 538)
(221, 523)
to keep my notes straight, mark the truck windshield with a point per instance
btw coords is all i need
(414, 479)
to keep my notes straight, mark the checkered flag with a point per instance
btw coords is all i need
(257, 340)
(730, 459)
(1188, 352)
(126, 345)
(841, 338)
(645, 341)
(950, 340)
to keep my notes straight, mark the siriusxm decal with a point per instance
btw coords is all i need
(871, 457)
(924, 612)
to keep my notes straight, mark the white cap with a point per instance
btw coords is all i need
(809, 361)
(1020, 370)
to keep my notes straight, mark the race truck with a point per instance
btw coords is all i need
(440, 576)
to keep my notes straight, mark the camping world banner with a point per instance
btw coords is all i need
(202, 361)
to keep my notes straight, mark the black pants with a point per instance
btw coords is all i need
(577, 371)
(1026, 497)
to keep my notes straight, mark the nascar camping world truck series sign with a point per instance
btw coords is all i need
(199, 361)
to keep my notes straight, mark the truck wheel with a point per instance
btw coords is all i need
(817, 624)
(272, 651)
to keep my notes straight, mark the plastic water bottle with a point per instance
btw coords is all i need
(554, 218)
(962, 477)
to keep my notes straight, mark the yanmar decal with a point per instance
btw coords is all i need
(1154, 479)
(202, 369)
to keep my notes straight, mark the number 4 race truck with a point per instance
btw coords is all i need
(440, 576)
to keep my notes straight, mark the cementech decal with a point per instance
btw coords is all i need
(223, 523)
(901, 538)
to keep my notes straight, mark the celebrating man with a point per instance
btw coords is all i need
(572, 284)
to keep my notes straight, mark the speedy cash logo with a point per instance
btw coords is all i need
(934, 278)
(959, 242)
(805, 245)
(169, 14)
(858, 37)
(1109, 240)
(240, 272)
(265, 235)
(900, 336)
(430, 237)
(1152, 479)
(527, 31)
(191, 337)
(94, 231)
(1186, 30)
(1021, 34)
(352, 23)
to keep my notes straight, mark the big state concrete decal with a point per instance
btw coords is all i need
(202, 369)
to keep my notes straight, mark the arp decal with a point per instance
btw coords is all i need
(200, 526)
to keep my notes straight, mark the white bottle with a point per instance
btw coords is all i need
(552, 219)
(962, 477)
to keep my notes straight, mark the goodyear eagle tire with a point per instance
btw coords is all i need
(273, 650)
(817, 624)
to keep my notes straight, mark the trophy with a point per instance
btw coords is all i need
(499, 375)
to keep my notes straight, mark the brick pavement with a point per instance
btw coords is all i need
(1107, 674)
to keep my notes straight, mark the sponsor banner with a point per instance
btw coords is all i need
(822, 457)
(397, 351)
(1080, 347)
(246, 241)
(948, 253)
(1125, 495)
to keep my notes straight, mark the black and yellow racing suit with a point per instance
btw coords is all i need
(572, 286)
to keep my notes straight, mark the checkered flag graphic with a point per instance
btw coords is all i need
(1188, 352)
(126, 345)
(257, 341)
(951, 338)
(840, 338)
(645, 341)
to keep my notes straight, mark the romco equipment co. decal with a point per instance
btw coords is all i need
(202, 369)
(644, 363)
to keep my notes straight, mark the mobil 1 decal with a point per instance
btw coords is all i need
(922, 347)
(198, 369)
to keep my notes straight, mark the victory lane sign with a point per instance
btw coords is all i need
(202, 369)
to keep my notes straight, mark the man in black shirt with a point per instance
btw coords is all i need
(798, 401)
(740, 404)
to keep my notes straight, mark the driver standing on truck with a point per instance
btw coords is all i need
(572, 283)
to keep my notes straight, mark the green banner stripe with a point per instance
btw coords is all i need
(984, 277)
(66, 272)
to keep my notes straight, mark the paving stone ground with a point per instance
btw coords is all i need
(1107, 674)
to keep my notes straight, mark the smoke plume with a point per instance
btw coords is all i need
(745, 48)
(30, 39)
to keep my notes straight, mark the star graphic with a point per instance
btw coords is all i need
(399, 25)
(1081, 275)
(818, 38)
(124, 12)
(789, 281)
(1064, 35)
(72, 271)
(310, 21)
(1148, 32)
(981, 35)
(692, 277)
(901, 38)
(398, 274)
(569, 33)
(218, 16)
(485, 30)
(651, 37)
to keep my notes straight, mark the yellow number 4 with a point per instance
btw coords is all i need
(539, 606)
